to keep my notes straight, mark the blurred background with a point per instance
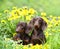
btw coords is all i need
(51, 7)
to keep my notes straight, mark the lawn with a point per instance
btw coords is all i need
(11, 14)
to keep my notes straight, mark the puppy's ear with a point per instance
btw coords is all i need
(32, 21)
(44, 25)
(25, 24)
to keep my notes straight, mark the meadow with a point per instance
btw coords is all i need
(12, 11)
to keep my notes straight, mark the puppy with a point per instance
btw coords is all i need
(38, 22)
(29, 29)
(20, 29)
(38, 36)
(21, 26)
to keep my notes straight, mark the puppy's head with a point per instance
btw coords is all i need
(40, 24)
(21, 27)
(29, 29)
(33, 21)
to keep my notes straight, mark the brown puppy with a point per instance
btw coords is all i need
(21, 26)
(29, 29)
(38, 22)
(20, 29)
(38, 36)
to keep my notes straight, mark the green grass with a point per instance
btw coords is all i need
(51, 7)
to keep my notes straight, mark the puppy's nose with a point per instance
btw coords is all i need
(36, 26)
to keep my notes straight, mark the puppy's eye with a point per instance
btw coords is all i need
(29, 28)
(22, 28)
(21, 25)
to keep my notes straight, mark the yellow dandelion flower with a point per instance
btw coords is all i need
(32, 47)
(3, 21)
(14, 34)
(38, 46)
(15, 17)
(32, 11)
(53, 30)
(41, 46)
(46, 46)
(6, 11)
(14, 8)
(9, 19)
(28, 17)
(51, 16)
(25, 7)
(24, 12)
(17, 46)
(45, 19)
(55, 17)
(13, 12)
(25, 47)
(46, 34)
(49, 25)
(43, 14)
(19, 11)
(7, 39)
(56, 23)
(58, 17)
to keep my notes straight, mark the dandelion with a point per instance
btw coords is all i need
(25, 47)
(10, 19)
(13, 12)
(46, 46)
(45, 19)
(24, 12)
(6, 11)
(49, 26)
(13, 17)
(32, 47)
(3, 21)
(14, 8)
(14, 34)
(25, 7)
(56, 24)
(53, 30)
(28, 17)
(20, 9)
(7, 39)
(17, 46)
(43, 14)
(41, 46)
(32, 11)
(38, 46)
(58, 17)
(46, 34)
(50, 16)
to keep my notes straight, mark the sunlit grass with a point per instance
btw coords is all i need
(10, 18)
